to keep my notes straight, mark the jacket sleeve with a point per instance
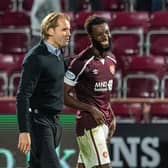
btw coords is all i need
(30, 74)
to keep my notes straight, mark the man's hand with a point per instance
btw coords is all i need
(97, 115)
(112, 129)
(24, 143)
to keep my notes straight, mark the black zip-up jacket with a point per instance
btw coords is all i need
(41, 84)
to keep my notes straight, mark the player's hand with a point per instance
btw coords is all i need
(97, 115)
(112, 129)
(24, 143)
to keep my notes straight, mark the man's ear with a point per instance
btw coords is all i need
(50, 31)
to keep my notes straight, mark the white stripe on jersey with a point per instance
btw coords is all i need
(112, 59)
(73, 83)
(84, 67)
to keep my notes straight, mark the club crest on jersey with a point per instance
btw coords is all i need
(70, 75)
(112, 69)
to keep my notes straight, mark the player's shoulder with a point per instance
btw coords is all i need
(111, 56)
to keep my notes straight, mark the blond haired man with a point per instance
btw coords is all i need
(40, 93)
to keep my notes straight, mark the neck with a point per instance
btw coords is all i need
(97, 53)
(52, 43)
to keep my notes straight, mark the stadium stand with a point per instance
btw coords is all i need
(139, 41)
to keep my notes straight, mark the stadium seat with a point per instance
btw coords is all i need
(14, 79)
(159, 112)
(5, 6)
(127, 42)
(14, 41)
(15, 32)
(130, 20)
(143, 85)
(3, 83)
(157, 36)
(7, 62)
(14, 75)
(25, 5)
(15, 19)
(164, 86)
(127, 112)
(150, 64)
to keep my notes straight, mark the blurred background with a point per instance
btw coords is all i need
(139, 31)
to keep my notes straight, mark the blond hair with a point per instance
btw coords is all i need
(51, 21)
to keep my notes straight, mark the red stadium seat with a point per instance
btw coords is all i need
(7, 62)
(159, 112)
(130, 20)
(25, 5)
(141, 75)
(14, 41)
(150, 64)
(14, 83)
(3, 84)
(127, 42)
(157, 36)
(14, 32)
(141, 85)
(5, 5)
(164, 86)
(14, 75)
(159, 20)
(127, 112)
(15, 19)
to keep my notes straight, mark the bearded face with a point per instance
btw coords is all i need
(102, 46)
(101, 37)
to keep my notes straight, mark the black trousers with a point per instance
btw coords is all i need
(45, 132)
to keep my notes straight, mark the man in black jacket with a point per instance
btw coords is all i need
(40, 93)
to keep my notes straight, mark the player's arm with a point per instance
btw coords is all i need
(72, 101)
(112, 127)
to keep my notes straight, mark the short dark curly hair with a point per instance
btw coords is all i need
(93, 20)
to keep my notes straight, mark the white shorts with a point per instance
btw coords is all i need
(93, 149)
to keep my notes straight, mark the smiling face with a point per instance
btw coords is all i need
(60, 35)
(101, 37)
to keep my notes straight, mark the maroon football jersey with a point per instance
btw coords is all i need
(92, 78)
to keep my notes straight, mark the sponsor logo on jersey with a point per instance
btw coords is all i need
(103, 86)
(70, 75)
